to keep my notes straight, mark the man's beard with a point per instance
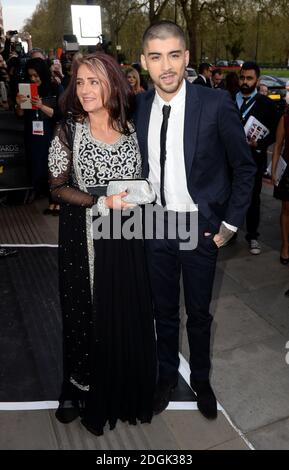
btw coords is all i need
(171, 88)
(247, 90)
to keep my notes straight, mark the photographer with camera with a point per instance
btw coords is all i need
(7, 45)
(69, 55)
(14, 54)
(13, 44)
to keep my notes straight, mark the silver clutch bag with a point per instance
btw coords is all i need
(140, 191)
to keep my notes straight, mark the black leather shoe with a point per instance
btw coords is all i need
(67, 411)
(206, 400)
(163, 395)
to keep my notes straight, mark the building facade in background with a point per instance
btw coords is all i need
(2, 36)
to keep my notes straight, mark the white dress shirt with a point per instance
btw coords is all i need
(175, 182)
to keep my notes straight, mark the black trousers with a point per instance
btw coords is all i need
(253, 213)
(166, 262)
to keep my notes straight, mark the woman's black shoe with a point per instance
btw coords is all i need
(67, 411)
(284, 260)
(93, 430)
(162, 396)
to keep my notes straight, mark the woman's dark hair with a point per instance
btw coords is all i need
(42, 69)
(120, 98)
(232, 83)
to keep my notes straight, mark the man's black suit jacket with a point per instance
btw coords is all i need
(200, 81)
(265, 111)
(219, 166)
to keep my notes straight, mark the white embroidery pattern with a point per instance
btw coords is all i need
(104, 162)
(85, 388)
(95, 163)
(57, 161)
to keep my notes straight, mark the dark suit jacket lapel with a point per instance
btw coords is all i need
(191, 125)
(143, 129)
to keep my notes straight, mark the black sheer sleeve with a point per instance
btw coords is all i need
(60, 169)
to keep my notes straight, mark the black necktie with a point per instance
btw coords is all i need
(166, 115)
(244, 105)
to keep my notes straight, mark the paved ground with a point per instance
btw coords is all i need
(250, 374)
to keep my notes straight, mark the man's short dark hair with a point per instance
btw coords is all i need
(203, 67)
(162, 30)
(250, 65)
(216, 71)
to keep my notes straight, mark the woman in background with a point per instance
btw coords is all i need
(45, 115)
(281, 191)
(133, 79)
(232, 84)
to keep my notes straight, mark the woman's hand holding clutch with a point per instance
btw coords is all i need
(115, 201)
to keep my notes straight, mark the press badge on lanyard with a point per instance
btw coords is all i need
(37, 126)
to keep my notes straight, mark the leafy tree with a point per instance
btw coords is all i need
(204, 18)
(117, 14)
(156, 10)
(49, 22)
(215, 29)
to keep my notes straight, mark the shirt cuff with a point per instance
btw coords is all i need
(230, 227)
(101, 207)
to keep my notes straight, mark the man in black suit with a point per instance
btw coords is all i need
(205, 74)
(218, 79)
(196, 156)
(252, 103)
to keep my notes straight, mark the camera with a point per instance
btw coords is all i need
(70, 43)
(18, 48)
(12, 33)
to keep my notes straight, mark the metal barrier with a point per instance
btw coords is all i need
(13, 162)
